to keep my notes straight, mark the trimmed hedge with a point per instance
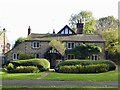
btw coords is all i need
(42, 64)
(26, 69)
(98, 68)
(74, 62)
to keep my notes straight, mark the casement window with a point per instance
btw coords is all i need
(15, 56)
(70, 56)
(35, 44)
(70, 45)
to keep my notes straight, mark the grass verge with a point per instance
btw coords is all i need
(107, 76)
(20, 76)
(56, 88)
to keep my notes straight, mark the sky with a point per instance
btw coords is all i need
(45, 15)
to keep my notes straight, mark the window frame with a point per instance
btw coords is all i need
(70, 43)
(35, 44)
(15, 56)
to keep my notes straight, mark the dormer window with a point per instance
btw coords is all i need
(66, 30)
(35, 44)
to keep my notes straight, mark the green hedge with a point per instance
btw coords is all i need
(74, 62)
(21, 69)
(98, 68)
(26, 69)
(42, 64)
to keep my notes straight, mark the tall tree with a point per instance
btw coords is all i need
(87, 18)
(105, 23)
(112, 44)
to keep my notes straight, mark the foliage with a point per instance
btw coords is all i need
(112, 65)
(98, 68)
(10, 67)
(105, 23)
(112, 44)
(19, 41)
(23, 56)
(58, 45)
(87, 18)
(26, 69)
(42, 64)
(108, 28)
(84, 51)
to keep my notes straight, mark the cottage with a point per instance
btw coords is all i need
(38, 44)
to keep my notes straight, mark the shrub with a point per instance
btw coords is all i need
(10, 67)
(68, 69)
(24, 56)
(98, 68)
(42, 64)
(111, 64)
(26, 69)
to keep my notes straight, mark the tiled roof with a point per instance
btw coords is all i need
(77, 37)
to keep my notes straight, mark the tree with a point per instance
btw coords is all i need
(106, 23)
(112, 45)
(58, 45)
(18, 41)
(87, 18)
(84, 51)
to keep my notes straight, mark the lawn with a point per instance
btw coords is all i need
(57, 88)
(21, 76)
(107, 76)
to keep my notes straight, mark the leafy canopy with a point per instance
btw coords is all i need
(84, 51)
(88, 20)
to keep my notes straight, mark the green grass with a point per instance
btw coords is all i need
(107, 76)
(21, 76)
(57, 88)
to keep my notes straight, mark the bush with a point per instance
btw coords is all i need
(26, 69)
(24, 56)
(42, 64)
(84, 69)
(96, 68)
(9, 68)
(74, 62)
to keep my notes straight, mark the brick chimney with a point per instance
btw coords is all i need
(80, 27)
(29, 30)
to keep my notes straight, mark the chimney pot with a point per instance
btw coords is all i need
(29, 30)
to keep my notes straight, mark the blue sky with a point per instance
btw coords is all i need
(45, 15)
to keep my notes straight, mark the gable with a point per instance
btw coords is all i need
(66, 31)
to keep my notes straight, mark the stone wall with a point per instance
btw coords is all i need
(26, 47)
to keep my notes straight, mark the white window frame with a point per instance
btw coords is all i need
(70, 45)
(37, 45)
(15, 56)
